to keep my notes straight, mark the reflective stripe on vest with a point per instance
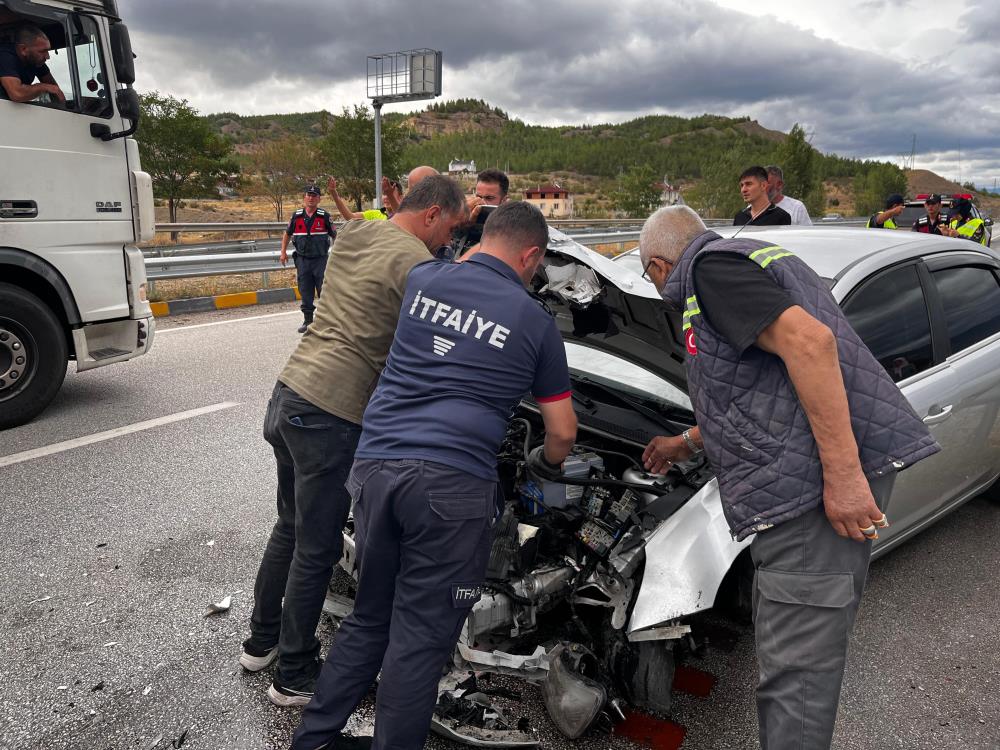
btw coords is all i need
(690, 310)
(765, 255)
(969, 228)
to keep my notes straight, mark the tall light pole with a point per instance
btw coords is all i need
(400, 77)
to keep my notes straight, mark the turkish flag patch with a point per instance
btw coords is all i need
(689, 342)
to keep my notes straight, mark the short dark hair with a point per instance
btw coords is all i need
(776, 171)
(518, 223)
(27, 34)
(759, 172)
(495, 177)
(435, 190)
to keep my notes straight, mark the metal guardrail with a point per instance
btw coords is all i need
(278, 226)
(221, 264)
(189, 261)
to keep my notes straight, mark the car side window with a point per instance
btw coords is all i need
(890, 315)
(970, 296)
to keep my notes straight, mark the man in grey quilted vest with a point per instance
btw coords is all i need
(805, 431)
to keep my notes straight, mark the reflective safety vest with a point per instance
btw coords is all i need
(373, 214)
(973, 229)
(888, 224)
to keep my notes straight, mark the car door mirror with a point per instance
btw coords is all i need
(988, 221)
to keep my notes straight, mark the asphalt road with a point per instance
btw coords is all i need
(113, 550)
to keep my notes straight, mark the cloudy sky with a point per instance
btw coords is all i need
(863, 76)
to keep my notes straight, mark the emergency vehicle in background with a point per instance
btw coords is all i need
(73, 203)
(915, 208)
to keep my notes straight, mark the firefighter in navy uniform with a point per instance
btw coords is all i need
(963, 225)
(933, 220)
(469, 344)
(311, 232)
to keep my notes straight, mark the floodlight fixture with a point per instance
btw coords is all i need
(404, 76)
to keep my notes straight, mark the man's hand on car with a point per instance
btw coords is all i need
(540, 466)
(663, 451)
(850, 507)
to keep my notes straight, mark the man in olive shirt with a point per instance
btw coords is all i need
(313, 422)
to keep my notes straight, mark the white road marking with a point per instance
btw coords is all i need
(224, 322)
(97, 437)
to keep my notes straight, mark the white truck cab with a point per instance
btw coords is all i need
(73, 203)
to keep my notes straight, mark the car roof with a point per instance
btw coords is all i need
(832, 251)
(835, 252)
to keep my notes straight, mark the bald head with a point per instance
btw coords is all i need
(417, 174)
(667, 232)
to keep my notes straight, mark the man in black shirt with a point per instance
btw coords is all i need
(759, 211)
(24, 61)
(933, 220)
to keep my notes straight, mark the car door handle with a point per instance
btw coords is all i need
(937, 414)
(17, 209)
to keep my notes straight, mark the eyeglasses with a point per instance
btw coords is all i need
(645, 271)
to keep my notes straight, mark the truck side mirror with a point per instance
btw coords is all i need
(128, 104)
(121, 52)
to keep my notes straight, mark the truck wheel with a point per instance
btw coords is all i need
(33, 356)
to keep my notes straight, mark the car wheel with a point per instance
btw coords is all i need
(735, 597)
(652, 680)
(992, 493)
(33, 356)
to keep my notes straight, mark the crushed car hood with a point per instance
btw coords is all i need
(603, 305)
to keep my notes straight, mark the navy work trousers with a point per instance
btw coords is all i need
(309, 276)
(314, 451)
(807, 589)
(423, 534)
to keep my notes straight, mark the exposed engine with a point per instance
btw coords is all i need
(566, 561)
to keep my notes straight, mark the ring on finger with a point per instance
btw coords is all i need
(868, 530)
(882, 523)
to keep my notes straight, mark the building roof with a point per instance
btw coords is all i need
(548, 188)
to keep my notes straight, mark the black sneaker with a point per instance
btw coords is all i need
(254, 659)
(286, 697)
(348, 742)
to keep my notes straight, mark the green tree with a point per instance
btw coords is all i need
(801, 166)
(280, 168)
(878, 181)
(179, 150)
(717, 196)
(637, 195)
(348, 152)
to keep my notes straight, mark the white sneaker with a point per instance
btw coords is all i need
(285, 697)
(254, 661)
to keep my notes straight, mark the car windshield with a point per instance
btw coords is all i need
(910, 214)
(622, 375)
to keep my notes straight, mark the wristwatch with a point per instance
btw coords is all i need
(690, 443)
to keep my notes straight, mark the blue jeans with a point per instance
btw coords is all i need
(423, 534)
(314, 451)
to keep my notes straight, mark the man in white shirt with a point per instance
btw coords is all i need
(795, 208)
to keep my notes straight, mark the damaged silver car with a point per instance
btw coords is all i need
(591, 578)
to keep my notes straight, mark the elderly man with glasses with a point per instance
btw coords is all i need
(805, 431)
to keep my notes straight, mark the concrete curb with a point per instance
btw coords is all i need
(224, 301)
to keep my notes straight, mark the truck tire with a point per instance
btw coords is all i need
(33, 356)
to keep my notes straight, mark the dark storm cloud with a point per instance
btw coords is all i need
(565, 60)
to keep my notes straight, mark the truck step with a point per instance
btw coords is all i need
(107, 353)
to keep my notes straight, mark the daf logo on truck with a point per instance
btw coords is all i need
(82, 301)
